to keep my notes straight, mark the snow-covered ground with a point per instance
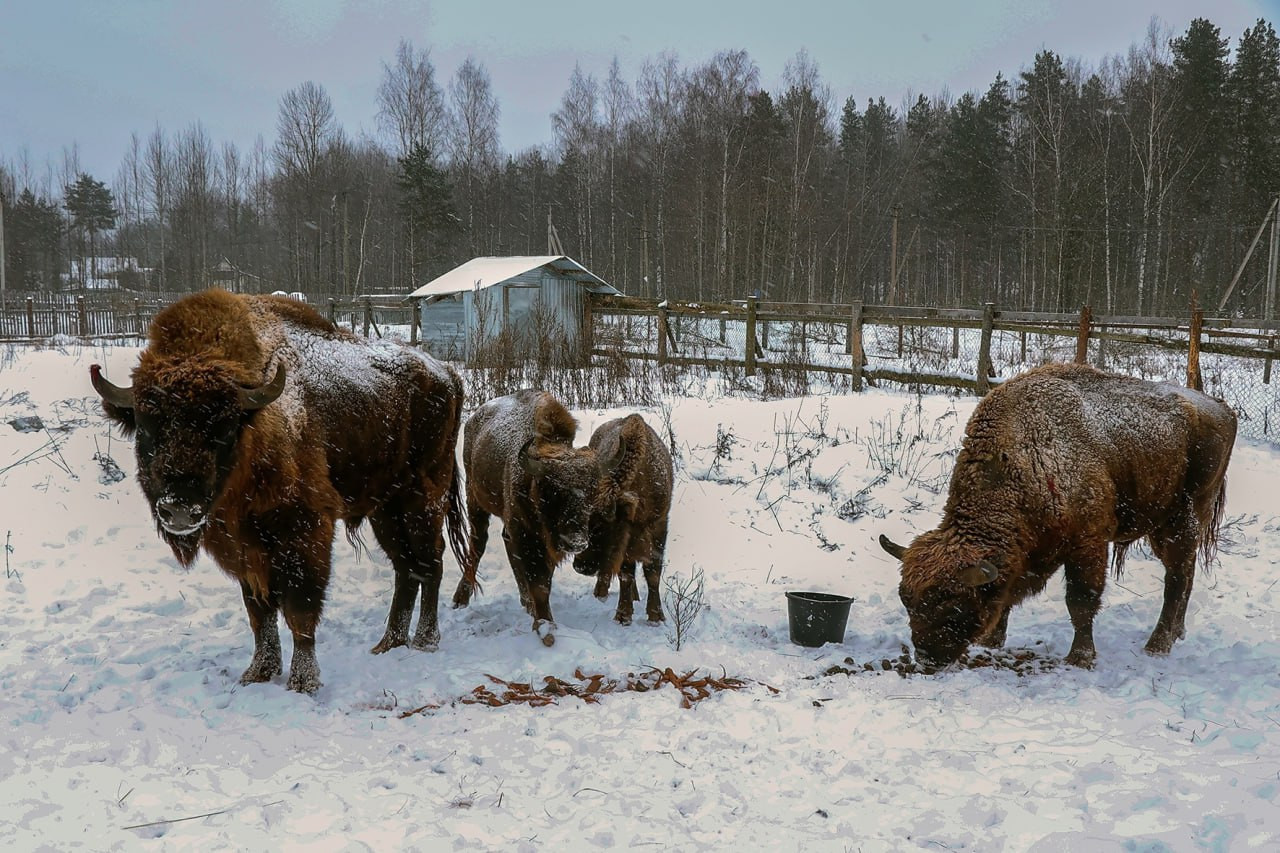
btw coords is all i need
(123, 725)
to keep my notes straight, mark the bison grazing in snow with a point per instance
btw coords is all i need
(259, 425)
(630, 524)
(521, 466)
(1055, 464)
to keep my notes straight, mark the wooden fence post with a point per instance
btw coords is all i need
(955, 342)
(1082, 337)
(137, 317)
(857, 358)
(588, 330)
(1194, 379)
(984, 348)
(1266, 365)
(368, 315)
(413, 322)
(82, 318)
(333, 311)
(751, 337)
(663, 332)
(31, 317)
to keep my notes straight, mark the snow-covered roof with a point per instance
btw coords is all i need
(480, 273)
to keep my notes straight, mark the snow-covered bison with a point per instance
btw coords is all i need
(259, 424)
(521, 466)
(629, 525)
(1056, 463)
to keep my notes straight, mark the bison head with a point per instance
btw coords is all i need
(567, 485)
(948, 599)
(187, 419)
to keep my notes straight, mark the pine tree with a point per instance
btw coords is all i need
(1254, 87)
(92, 209)
(426, 204)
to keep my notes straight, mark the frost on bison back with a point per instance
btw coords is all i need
(1056, 464)
(259, 425)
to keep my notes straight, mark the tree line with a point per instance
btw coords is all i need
(1125, 183)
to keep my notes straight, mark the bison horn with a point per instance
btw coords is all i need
(121, 398)
(985, 572)
(256, 398)
(532, 465)
(893, 548)
(611, 464)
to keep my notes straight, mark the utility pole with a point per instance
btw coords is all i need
(1268, 312)
(3, 293)
(896, 210)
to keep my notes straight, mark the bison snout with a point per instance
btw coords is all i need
(179, 517)
(573, 543)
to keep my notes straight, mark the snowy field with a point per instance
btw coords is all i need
(124, 726)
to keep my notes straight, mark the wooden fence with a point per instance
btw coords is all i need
(1243, 338)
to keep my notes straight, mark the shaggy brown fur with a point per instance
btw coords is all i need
(355, 430)
(1057, 463)
(630, 525)
(521, 466)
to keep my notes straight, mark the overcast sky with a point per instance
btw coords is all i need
(91, 72)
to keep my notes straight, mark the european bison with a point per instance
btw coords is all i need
(259, 425)
(1055, 464)
(630, 524)
(521, 466)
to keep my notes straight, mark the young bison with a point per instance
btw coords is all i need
(1055, 464)
(521, 466)
(630, 524)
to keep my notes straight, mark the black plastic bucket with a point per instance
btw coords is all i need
(817, 617)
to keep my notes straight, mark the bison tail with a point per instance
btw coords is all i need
(1118, 552)
(1209, 535)
(457, 524)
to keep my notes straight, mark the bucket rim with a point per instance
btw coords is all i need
(814, 597)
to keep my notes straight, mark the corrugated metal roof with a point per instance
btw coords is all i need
(480, 273)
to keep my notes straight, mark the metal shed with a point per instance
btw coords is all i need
(469, 306)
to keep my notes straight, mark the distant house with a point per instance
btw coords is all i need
(105, 273)
(526, 296)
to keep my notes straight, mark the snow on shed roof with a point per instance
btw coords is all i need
(479, 273)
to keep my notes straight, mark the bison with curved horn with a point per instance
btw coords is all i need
(1055, 464)
(258, 425)
(521, 466)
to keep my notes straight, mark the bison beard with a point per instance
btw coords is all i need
(521, 466)
(259, 425)
(1057, 463)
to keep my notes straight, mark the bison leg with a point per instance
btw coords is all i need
(653, 574)
(300, 569)
(603, 581)
(1175, 546)
(266, 663)
(414, 540)
(627, 593)
(1086, 578)
(526, 553)
(994, 639)
(477, 539)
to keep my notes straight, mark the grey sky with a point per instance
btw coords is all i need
(93, 71)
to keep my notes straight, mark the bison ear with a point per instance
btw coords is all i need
(529, 463)
(628, 503)
(256, 398)
(983, 573)
(893, 548)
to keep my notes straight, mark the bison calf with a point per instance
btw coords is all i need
(629, 525)
(1056, 463)
(259, 424)
(521, 466)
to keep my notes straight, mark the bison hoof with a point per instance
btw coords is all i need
(546, 631)
(426, 642)
(258, 672)
(304, 683)
(622, 619)
(386, 644)
(1084, 660)
(1158, 647)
